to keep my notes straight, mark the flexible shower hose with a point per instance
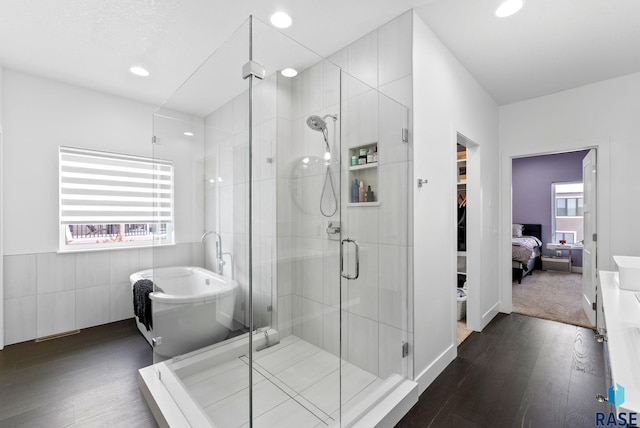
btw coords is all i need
(329, 177)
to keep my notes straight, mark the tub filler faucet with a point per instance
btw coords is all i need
(219, 261)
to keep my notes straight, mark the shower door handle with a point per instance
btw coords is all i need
(355, 243)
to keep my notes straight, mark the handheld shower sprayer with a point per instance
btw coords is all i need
(318, 123)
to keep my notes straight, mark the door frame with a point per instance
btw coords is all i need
(474, 317)
(590, 277)
(1, 246)
(603, 251)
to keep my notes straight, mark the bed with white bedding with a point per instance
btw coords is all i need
(526, 249)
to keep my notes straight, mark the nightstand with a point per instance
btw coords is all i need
(565, 247)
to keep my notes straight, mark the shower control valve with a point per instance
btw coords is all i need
(333, 228)
(601, 337)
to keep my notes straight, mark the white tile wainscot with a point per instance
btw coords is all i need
(622, 320)
(51, 293)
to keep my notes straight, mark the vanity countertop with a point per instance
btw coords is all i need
(622, 320)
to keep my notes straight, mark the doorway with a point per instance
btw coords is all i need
(466, 170)
(547, 204)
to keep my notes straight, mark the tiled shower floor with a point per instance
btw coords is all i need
(295, 384)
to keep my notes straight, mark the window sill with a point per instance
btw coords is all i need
(115, 248)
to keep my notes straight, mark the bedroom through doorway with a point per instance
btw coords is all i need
(547, 237)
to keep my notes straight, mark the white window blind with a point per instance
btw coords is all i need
(109, 188)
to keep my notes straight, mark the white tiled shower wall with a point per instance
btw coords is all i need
(292, 232)
(375, 307)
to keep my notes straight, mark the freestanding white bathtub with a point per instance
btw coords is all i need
(194, 309)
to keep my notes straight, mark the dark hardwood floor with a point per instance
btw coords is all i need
(84, 380)
(519, 372)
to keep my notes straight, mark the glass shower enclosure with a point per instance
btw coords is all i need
(284, 301)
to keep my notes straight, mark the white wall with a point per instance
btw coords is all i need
(45, 292)
(40, 116)
(602, 115)
(1, 223)
(447, 100)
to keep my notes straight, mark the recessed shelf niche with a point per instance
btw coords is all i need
(364, 171)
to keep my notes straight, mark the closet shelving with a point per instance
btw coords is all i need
(461, 203)
(462, 170)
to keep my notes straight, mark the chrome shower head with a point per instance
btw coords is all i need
(316, 123)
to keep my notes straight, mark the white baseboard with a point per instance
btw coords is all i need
(576, 269)
(425, 378)
(490, 315)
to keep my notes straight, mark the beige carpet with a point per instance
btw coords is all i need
(551, 295)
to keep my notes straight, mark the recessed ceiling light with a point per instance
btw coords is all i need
(508, 8)
(289, 72)
(281, 20)
(139, 71)
(188, 134)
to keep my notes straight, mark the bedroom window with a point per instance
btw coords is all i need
(110, 200)
(570, 237)
(567, 205)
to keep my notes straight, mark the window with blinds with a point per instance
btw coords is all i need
(114, 200)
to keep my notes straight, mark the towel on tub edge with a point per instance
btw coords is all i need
(142, 302)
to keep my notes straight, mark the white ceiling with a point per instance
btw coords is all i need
(549, 46)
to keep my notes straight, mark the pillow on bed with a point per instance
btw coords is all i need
(516, 230)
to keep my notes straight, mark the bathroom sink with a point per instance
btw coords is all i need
(629, 272)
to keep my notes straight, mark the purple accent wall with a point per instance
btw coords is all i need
(531, 188)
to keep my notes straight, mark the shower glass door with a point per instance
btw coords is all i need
(338, 268)
(296, 232)
(375, 172)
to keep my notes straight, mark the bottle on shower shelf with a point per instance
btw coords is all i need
(355, 193)
(362, 159)
(361, 192)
